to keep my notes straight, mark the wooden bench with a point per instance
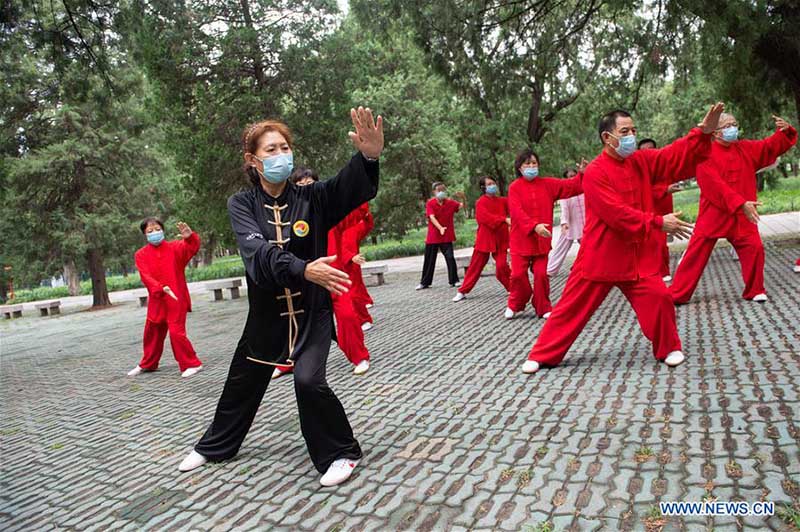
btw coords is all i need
(375, 271)
(49, 308)
(143, 296)
(11, 311)
(217, 287)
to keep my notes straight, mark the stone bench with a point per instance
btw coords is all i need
(11, 311)
(375, 271)
(217, 287)
(462, 261)
(49, 308)
(143, 296)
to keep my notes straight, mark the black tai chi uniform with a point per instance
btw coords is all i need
(290, 320)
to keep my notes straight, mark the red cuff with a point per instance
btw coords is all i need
(658, 221)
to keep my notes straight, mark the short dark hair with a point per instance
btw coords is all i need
(437, 184)
(568, 170)
(523, 156)
(609, 121)
(150, 220)
(482, 183)
(301, 172)
(645, 141)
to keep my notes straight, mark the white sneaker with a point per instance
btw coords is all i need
(361, 368)
(339, 471)
(366, 326)
(135, 371)
(760, 298)
(193, 461)
(509, 314)
(546, 315)
(370, 305)
(191, 371)
(666, 278)
(675, 358)
(421, 287)
(530, 366)
(458, 297)
(797, 268)
(456, 285)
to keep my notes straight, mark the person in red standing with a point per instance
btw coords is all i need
(353, 236)
(491, 213)
(530, 202)
(620, 246)
(440, 212)
(662, 204)
(161, 267)
(728, 206)
(573, 217)
(349, 334)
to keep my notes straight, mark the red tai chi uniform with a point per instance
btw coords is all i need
(161, 266)
(662, 204)
(349, 334)
(492, 239)
(530, 204)
(727, 180)
(353, 237)
(621, 247)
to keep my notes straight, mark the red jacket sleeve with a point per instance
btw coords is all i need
(677, 161)
(566, 188)
(716, 190)
(187, 248)
(350, 240)
(765, 152)
(614, 211)
(486, 217)
(429, 208)
(154, 287)
(519, 215)
(366, 226)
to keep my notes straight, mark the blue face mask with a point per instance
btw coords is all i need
(492, 190)
(441, 195)
(530, 173)
(627, 145)
(730, 134)
(156, 237)
(277, 168)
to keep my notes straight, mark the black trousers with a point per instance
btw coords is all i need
(323, 420)
(429, 265)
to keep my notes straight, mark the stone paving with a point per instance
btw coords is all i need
(455, 436)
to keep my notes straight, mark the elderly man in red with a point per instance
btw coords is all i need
(161, 267)
(620, 246)
(491, 213)
(728, 202)
(530, 202)
(440, 212)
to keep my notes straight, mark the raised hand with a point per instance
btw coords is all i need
(582, 165)
(368, 137)
(750, 211)
(184, 230)
(673, 188)
(711, 120)
(541, 230)
(780, 123)
(675, 226)
(322, 273)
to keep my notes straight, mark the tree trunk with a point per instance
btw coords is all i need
(97, 270)
(207, 251)
(72, 278)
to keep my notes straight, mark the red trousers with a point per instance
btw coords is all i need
(349, 335)
(664, 256)
(648, 296)
(478, 262)
(359, 295)
(521, 290)
(154, 335)
(748, 247)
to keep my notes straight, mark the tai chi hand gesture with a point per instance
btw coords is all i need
(582, 165)
(711, 120)
(322, 273)
(368, 138)
(780, 123)
(750, 212)
(359, 259)
(541, 230)
(170, 293)
(675, 226)
(184, 230)
(673, 188)
(442, 230)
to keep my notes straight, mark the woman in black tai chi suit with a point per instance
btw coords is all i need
(282, 230)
